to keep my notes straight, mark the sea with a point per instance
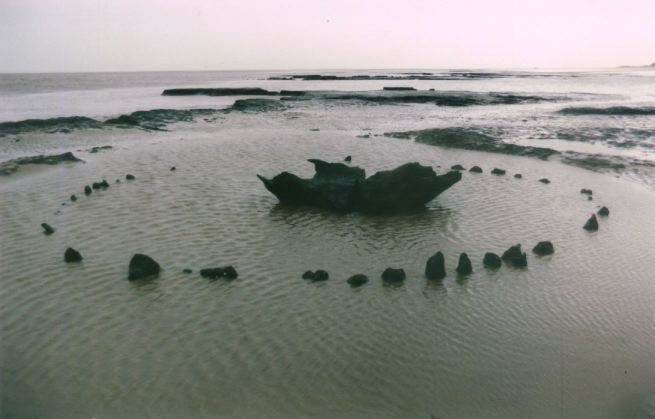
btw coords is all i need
(572, 335)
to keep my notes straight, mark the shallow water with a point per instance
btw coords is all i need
(570, 336)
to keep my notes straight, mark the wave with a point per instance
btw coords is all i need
(613, 110)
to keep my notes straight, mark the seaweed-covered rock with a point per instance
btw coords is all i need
(491, 260)
(73, 198)
(515, 256)
(357, 280)
(518, 176)
(142, 266)
(586, 191)
(319, 275)
(212, 273)
(497, 171)
(457, 167)
(591, 224)
(475, 169)
(47, 229)
(348, 159)
(464, 266)
(391, 275)
(72, 255)
(435, 267)
(604, 212)
(308, 275)
(187, 271)
(129, 177)
(345, 188)
(544, 248)
(173, 169)
(544, 180)
(87, 190)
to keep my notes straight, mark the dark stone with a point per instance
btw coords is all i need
(591, 224)
(464, 266)
(104, 184)
(87, 190)
(48, 230)
(457, 167)
(72, 255)
(308, 275)
(96, 185)
(497, 171)
(173, 169)
(515, 256)
(187, 271)
(491, 260)
(320, 275)
(219, 91)
(590, 198)
(142, 266)
(129, 177)
(348, 159)
(397, 88)
(73, 198)
(344, 188)
(475, 169)
(212, 273)
(604, 212)
(586, 191)
(229, 272)
(100, 148)
(391, 275)
(518, 176)
(357, 280)
(544, 248)
(435, 267)
(544, 180)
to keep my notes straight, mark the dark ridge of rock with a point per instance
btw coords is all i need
(47, 229)
(595, 162)
(129, 177)
(475, 169)
(515, 256)
(100, 148)
(464, 266)
(187, 271)
(220, 91)
(435, 267)
(11, 166)
(613, 110)
(491, 260)
(230, 272)
(391, 275)
(73, 198)
(467, 139)
(319, 275)
(292, 92)
(544, 180)
(399, 88)
(586, 191)
(344, 188)
(256, 105)
(357, 280)
(604, 212)
(518, 176)
(157, 119)
(348, 159)
(72, 255)
(173, 169)
(142, 266)
(50, 125)
(544, 248)
(87, 190)
(457, 167)
(498, 172)
(591, 224)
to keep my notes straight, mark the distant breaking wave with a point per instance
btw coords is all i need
(613, 110)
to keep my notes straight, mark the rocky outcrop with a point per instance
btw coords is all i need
(87, 190)
(544, 248)
(11, 166)
(141, 267)
(47, 229)
(516, 256)
(220, 91)
(604, 212)
(435, 267)
(497, 171)
(227, 272)
(319, 275)
(544, 180)
(457, 167)
(475, 169)
(129, 177)
(344, 188)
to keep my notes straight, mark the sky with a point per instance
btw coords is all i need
(147, 35)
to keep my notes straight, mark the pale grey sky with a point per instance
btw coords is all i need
(131, 35)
